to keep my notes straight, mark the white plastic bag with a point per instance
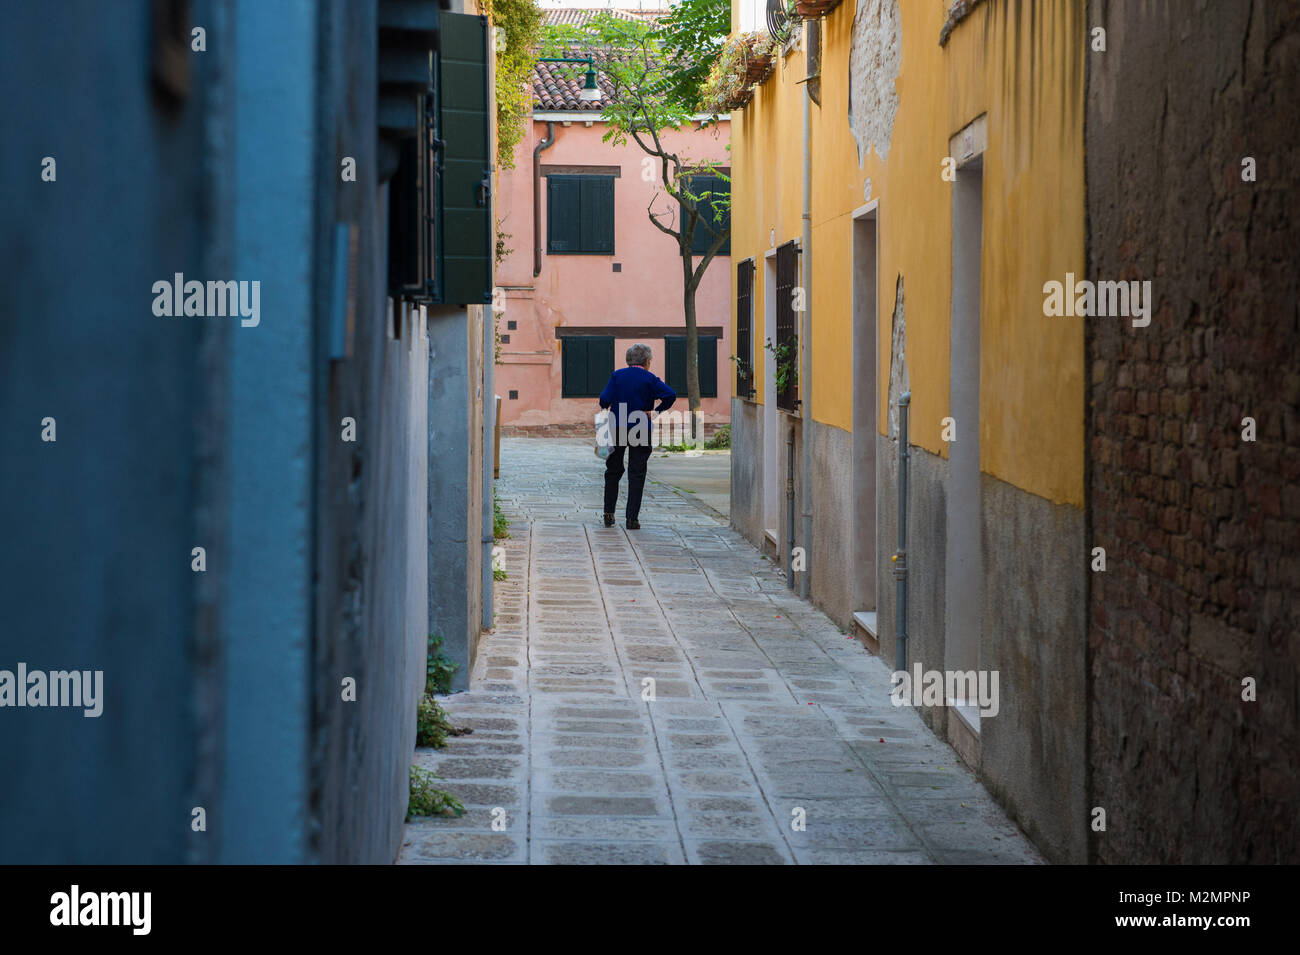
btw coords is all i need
(604, 440)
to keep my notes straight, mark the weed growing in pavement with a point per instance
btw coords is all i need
(427, 800)
(500, 525)
(438, 669)
(432, 726)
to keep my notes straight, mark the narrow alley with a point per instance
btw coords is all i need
(764, 714)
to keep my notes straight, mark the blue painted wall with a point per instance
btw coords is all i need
(222, 688)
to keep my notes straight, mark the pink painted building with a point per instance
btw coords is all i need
(589, 275)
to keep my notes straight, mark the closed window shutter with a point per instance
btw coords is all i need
(597, 203)
(573, 373)
(585, 366)
(600, 364)
(708, 359)
(702, 238)
(675, 364)
(563, 214)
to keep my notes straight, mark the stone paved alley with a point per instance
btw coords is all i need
(762, 705)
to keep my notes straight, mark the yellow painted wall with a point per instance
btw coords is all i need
(1022, 65)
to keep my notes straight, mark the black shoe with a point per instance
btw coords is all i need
(633, 524)
(609, 520)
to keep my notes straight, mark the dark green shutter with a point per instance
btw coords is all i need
(708, 359)
(597, 219)
(563, 205)
(465, 187)
(675, 364)
(573, 367)
(600, 364)
(580, 214)
(585, 366)
(702, 238)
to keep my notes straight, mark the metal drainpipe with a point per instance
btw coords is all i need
(545, 143)
(789, 507)
(900, 558)
(805, 335)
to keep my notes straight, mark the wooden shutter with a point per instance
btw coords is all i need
(573, 367)
(563, 207)
(744, 328)
(702, 238)
(787, 270)
(600, 364)
(675, 364)
(465, 189)
(585, 366)
(708, 360)
(597, 219)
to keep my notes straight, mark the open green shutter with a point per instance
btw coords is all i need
(563, 202)
(465, 189)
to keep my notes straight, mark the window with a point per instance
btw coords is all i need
(675, 364)
(745, 329)
(585, 366)
(580, 215)
(703, 238)
(787, 332)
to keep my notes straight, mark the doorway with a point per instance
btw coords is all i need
(964, 568)
(865, 338)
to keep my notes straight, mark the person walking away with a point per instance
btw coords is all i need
(630, 395)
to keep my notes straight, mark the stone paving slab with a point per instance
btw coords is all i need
(659, 697)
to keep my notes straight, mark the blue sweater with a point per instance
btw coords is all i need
(637, 389)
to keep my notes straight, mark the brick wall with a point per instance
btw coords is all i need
(1201, 529)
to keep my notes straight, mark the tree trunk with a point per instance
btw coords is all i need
(692, 345)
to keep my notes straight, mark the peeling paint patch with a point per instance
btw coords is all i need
(873, 67)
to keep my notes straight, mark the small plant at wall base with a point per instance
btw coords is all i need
(433, 726)
(426, 799)
(500, 523)
(438, 669)
(721, 439)
(498, 573)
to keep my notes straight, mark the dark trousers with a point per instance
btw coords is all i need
(638, 459)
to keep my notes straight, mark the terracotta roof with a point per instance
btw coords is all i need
(556, 85)
(576, 16)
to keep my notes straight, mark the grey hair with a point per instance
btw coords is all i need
(639, 354)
